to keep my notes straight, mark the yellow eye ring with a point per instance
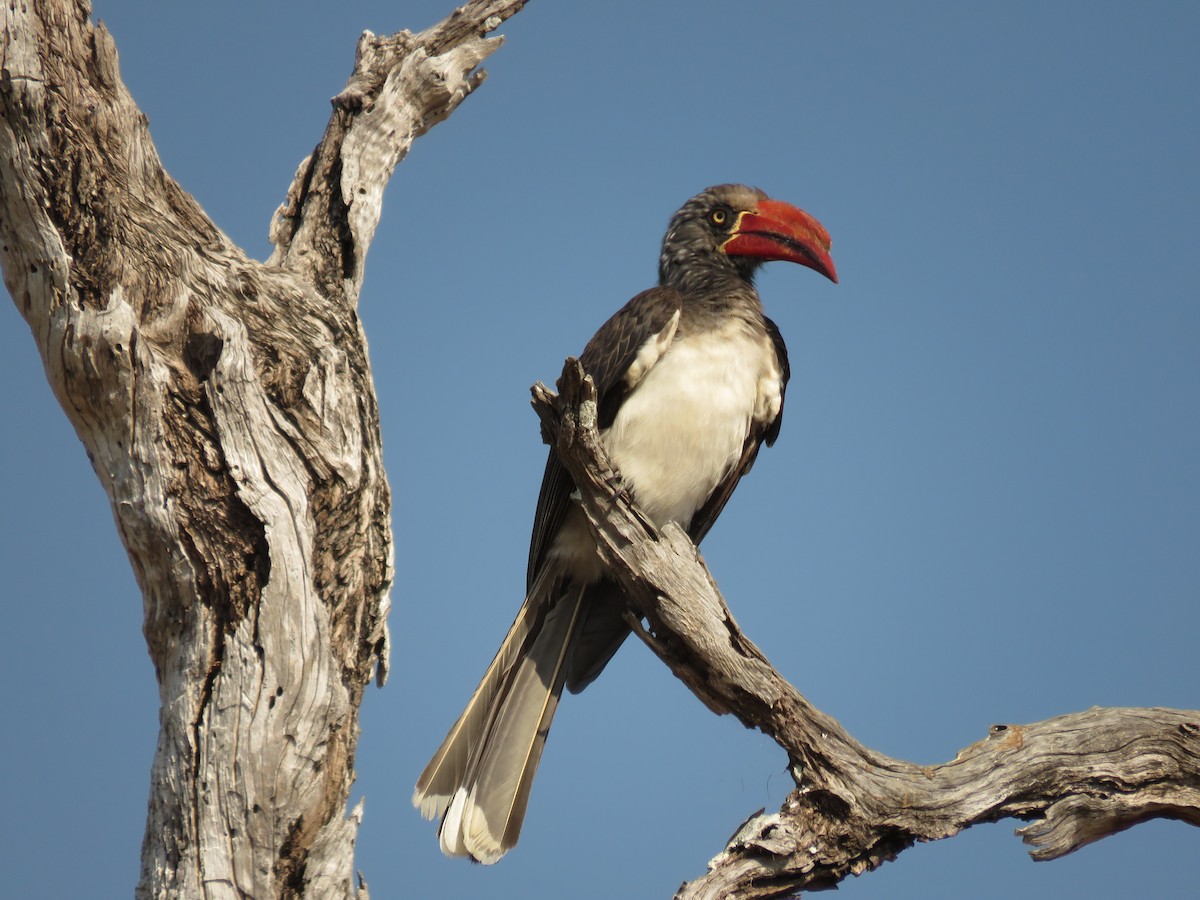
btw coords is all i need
(719, 217)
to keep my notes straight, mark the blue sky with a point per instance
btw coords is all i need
(984, 506)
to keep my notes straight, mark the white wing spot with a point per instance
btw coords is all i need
(651, 352)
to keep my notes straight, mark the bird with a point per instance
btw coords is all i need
(690, 378)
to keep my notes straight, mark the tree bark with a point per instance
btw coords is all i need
(1076, 778)
(228, 409)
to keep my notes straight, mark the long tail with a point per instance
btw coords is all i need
(479, 779)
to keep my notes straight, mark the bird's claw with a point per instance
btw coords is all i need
(617, 490)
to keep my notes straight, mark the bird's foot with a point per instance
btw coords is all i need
(617, 489)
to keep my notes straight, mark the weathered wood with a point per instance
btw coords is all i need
(228, 410)
(1077, 778)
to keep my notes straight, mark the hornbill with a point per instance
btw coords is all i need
(690, 377)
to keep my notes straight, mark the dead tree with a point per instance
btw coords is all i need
(228, 409)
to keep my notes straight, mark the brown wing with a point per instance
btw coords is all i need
(607, 357)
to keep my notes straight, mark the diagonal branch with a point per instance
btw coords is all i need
(402, 85)
(1078, 777)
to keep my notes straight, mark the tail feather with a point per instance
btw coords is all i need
(509, 757)
(480, 778)
(600, 636)
(447, 768)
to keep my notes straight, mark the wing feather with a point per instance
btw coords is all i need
(634, 338)
(760, 433)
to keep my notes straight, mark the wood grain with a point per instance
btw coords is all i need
(228, 409)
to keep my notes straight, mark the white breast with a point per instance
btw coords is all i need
(683, 427)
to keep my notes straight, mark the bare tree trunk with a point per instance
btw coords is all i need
(228, 410)
(1078, 778)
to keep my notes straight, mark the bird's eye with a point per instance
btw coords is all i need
(719, 217)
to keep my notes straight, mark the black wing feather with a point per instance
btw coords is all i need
(766, 433)
(607, 357)
(781, 354)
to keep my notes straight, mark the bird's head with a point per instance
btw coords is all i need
(736, 228)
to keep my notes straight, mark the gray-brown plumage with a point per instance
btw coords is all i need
(691, 377)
